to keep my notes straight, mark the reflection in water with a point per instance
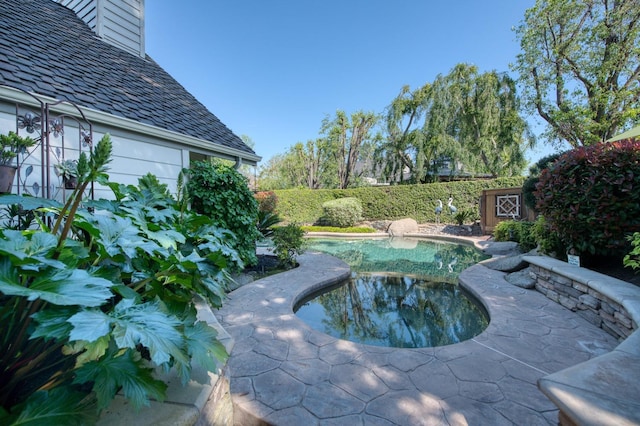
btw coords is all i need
(412, 303)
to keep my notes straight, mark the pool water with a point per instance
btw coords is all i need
(402, 293)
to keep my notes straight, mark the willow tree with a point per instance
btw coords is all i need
(470, 119)
(485, 121)
(580, 67)
(403, 142)
(346, 137)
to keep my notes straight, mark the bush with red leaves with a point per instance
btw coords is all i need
(590, 197)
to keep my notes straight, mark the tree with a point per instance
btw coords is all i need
(404, 135)
(346, 138)
(580, 67)
(487, 125)
(470, 119)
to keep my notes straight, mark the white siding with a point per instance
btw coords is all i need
(134, 156)
(119, 22)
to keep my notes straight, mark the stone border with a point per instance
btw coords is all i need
(604, 390)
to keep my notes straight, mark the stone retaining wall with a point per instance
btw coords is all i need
(603, 390)
(589, 303)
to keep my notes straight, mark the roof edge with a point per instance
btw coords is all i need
(65, 107)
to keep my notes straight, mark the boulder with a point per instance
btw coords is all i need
(506, 263)
(500, 248)
(403, 226)
(522, 278)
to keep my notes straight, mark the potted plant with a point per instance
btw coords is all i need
(10, 146)
(68, 170)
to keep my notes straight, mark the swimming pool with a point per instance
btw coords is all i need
(402, 293)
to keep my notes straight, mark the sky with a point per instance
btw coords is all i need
(273, 70)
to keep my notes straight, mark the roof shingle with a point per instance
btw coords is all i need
(45, 48)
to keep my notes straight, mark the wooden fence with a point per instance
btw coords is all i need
(497, 205)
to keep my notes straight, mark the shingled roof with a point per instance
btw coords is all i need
(46, 49)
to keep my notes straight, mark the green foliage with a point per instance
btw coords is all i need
(579, 67)
(93, 304)
(14, 216)
(470, 118)
(547, 240)
(529, 184)
(342, 212)
(350, 229)
(267, 201)
(289, 242)
(266, 222)
(388, 202)
(221, 193)
(591, 197)
(11, 145)
(464, 216)
(518, 231)
(267, 218)
(632, 259)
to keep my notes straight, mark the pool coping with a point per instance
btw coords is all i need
(281, 371)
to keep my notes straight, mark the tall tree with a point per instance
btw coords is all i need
(347, 137)
(470, 119)
(580, 67)
(403, 133)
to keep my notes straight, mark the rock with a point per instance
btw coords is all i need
(506, 263)
(403, 226)
(495, 248)
(521, 279)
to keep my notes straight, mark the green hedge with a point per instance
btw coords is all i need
(389, 202)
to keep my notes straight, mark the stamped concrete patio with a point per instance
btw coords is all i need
(285, 373)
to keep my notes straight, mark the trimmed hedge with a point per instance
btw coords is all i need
(389, 202)
(342, 212)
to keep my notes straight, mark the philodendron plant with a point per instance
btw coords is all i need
(101, 296)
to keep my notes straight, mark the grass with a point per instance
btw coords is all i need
(350, 230)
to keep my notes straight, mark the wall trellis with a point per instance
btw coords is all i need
(59, 136)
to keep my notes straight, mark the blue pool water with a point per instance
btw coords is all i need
(402, 293)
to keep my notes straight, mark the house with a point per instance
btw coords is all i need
(73, 70)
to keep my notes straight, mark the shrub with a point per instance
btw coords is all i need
(591, 197)
(518, 231)
(267, 201)
(632, 259)
(547, 239)
(529, 184)
(465, 215)
(343, 212)
(220, 192)
(97, 304)
(289, 242)
(388, 202)
(266, 221)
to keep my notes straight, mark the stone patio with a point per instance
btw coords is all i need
(283, 372)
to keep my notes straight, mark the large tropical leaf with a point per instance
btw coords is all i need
(30, 250)
(53, 322)
(203, 345)
(59, 406)
(147, 324)
(89, 325)
(120, 369)
(60, 287)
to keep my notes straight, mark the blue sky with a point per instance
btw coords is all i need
(272, 70)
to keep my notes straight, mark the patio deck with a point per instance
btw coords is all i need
(283, 372)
